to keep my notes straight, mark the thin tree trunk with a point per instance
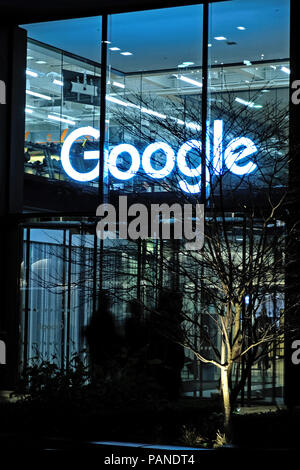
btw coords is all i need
(226, 404)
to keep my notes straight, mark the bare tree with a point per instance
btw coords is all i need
(246, 235)
(242, 261)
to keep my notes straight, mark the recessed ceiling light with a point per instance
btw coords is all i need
(220, 38)
(38, 95)
(188, 63)
(247, 62)
(114, 48)
(29, 57)
(57, 118)
(285, 69)
(31, 73)
(58, 82)
(265, 91)
(126, 53)
(41, 62)
(118, 84)
(189, 80)
(249, 104)
(241, 28)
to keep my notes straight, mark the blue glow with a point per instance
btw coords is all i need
(94, 155)
(145, 446)
(181, 158)
(65, 155)
(146, 160)
(234, 153)
(190, 188)
(135, 161)
(231, 157)
(218, 146)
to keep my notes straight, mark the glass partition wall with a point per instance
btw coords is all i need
(154, 93)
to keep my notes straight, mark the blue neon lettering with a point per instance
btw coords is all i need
(234, 153)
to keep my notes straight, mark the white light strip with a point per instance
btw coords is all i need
(220, 38)
(38, 95)
(118, 84)
(31, 73)
(116, 100)
(190, 125)
(250, 104)
(188, 80)
(286, 70)
(58, 82)
(56, 118)
(153, 113)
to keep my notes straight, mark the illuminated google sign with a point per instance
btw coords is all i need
(235, 154)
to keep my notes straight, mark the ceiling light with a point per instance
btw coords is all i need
(114, 48)
(220, 38)
(29, 111)
(241, 28)
(41, 62)
(188, 63)
(107, 42)
(29, 57)
(193, 126)
(116, 100)
(247, 62)
(126, 53)
(120, 85)
(209, 45)
(273, 67)
(58, 82)
(285, 69)
(31, 73)
(153, 113)
(250, 104)
(57, 118)
(38, 95)
(188, 80)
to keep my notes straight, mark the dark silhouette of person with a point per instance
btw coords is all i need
(135, 328)
(165, 353)
(104, 342)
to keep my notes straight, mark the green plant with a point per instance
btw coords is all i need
(191, 437)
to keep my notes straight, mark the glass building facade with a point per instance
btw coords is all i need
(168, 75)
